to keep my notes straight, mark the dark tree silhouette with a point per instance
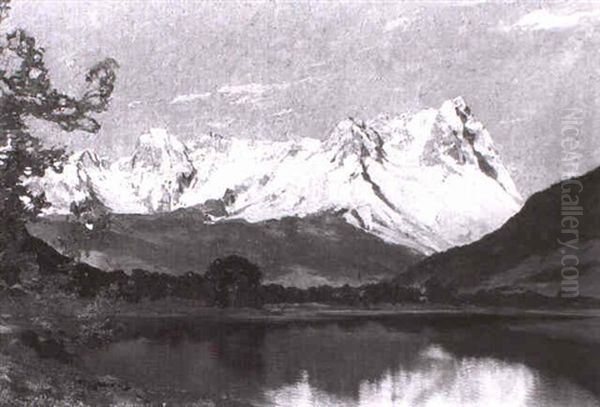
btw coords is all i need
(234, 282)
(26, 91)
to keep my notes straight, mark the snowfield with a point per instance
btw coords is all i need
(429, 180)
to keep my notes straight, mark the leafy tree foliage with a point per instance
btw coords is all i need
(234, 282)
(26, 91)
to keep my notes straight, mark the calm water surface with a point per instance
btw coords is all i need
(407, 361)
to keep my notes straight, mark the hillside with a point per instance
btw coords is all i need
(526, 253)
(314, 250)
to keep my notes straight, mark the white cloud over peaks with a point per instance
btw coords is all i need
(190, 97)
(251, 93)
(252, 88)
(544, 19)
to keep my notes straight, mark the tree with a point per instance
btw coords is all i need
(91, 222)
(234, 282)
(26, 91)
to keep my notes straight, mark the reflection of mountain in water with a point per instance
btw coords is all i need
(416, 362)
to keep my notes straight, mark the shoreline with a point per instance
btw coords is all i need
(320, 312)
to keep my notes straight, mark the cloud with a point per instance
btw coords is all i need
(190, 97)
(251, 93)
(134, 103)
(544, 19)
(252, 88)
(257, 93)
(401, 23)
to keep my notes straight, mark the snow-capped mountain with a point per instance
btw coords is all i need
(160, 170)
(429, 180)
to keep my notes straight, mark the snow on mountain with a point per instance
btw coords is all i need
(429, 180)
(151, 180)
(86, 175)
(160, 170)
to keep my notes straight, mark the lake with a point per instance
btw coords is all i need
(420, 360)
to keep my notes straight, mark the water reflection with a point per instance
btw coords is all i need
(357, 364)
(441, 382)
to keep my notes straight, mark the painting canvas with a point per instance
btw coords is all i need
(303, 204)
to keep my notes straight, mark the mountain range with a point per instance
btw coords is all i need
(422, 198)
(427, 180)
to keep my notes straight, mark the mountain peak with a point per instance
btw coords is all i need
(211, 141)
(158, 147)
(89, 159)
(161, 169)
(159, 139)
(155, 136)
(353, 137)
(486, 154)
(429, 179)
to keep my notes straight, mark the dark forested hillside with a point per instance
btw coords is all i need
(315, 250)
(550, 247)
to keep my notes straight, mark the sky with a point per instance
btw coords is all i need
(283, 70)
